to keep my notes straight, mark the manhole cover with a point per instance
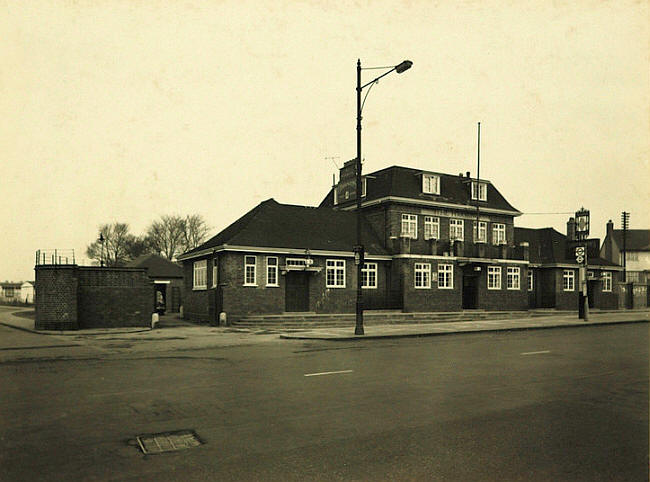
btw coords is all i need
(168, 441)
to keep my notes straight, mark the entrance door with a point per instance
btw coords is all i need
(470, 291)
(297, 291)
(591, 288)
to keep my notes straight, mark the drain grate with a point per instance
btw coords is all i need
(157, 443)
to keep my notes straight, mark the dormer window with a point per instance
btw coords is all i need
(430, 184)
(479, 191)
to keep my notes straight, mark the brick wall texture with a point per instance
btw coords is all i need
(73, 297)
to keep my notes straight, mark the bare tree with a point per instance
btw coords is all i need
(165, 236)
(196, 230)
(115, 247)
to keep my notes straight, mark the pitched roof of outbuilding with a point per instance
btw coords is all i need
(157, 266)
(635, 239)
(405, 182)
(274, 225)
(547, 246)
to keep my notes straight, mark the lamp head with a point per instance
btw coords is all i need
(404, 66)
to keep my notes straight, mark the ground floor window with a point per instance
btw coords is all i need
(271, 271)
(512, 278)
(494, 277)
(335, 273)
(369, 275)
(250, 268)
(422, 275)
(200, 274)
(569, 280)
(607, 281)
(215, 272)
(445, 276)
(530, 280)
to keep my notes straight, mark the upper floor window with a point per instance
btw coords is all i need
(431, 227)
(494, 277)
(607, 281)
(430, 184)
(271, 271)
(200, 274)
(422, 275)
(568, 280)
(456, 229)
(410, 225)
(498, 233)
(481, 236)
(250, 268)
(369, 275)
(479, 191)
(512, 278)
(631, 256)
(335, 273)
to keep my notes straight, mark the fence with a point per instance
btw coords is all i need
(55, 257)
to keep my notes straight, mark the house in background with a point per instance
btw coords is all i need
(553, 275)
(167, 277)
(27, 292)
(10, 291)
(433, 242)
(636, 262)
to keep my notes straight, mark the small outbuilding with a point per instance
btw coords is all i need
(167, 277)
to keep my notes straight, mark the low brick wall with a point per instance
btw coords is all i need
(73, 297)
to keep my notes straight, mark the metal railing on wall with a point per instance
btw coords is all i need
(55, 257)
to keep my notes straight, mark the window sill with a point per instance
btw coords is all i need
(368, 287)
(272, 286)
(199, 288)
(252, 286)
(334, 287)
(423, 287)
(445, 287)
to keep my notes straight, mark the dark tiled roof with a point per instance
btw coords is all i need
(549, 246)
(546, 244)
(635, 239)
(274, 225)
(157, 266)
(406, 182)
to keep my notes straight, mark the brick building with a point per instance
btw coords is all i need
(433, 242)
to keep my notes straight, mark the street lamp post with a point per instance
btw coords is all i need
(358, 249)
(101, 256)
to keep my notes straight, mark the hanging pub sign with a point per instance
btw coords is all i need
(582, 223)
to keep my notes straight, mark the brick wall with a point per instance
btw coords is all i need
(503, 299)
(114, 297)
(56, 298)
(73, 297)
(430, 299)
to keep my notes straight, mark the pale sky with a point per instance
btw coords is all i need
(127, 110)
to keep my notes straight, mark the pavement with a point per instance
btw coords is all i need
(174, 327)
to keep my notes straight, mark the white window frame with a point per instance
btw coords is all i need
(427, 186)
(422, 276)
(445, 276)
(431, 227)
(479, 191)
(248, 265)
(482, 232)
(410, 225)
(568, 280)
(369, 276)
(607, 281)
(336, 267)
(364, 186)
(494, 277)
(513, 278)
(272, 268)
(531, 280)
(498, 234)
(200, 274)
(215, 272)
(456, 226)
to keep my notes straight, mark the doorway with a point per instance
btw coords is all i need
(297, 291)
(470, 291)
